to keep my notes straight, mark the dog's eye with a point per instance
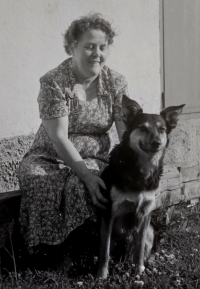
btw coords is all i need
(143, 129)
(162, 129)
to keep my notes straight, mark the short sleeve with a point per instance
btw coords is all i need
(51, 100)
(121, 89)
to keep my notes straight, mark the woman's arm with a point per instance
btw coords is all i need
(57, 130)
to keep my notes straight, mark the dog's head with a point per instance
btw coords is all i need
(148, 132)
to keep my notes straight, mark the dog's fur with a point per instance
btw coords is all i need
(131, 178)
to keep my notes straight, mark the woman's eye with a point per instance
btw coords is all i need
(104, 47)
(90, 47)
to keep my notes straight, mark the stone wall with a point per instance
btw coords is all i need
(180, 181)
(181, 178)
(11, 152)
(184, 146)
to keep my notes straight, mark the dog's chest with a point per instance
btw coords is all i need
(142, 203)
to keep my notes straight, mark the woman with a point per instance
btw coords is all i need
(78, 102)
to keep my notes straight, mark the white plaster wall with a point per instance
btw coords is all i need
(31, 44)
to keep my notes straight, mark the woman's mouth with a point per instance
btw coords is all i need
(94, 62)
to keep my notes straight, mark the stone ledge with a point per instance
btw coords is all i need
(181, 177)
(186, 192)
(172, 189)
(4, 197)
(176, 186)
(190, 172)
(184, 144)
(12, 151)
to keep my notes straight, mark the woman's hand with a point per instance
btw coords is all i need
(93, 184)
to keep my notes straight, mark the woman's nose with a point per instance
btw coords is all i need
(96, 51)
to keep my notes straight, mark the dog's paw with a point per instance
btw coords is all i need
(102, 274)
(140, 269)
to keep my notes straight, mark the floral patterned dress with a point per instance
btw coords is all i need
(54, 200)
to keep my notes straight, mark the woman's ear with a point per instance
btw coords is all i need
(72, 47)
(130, 109)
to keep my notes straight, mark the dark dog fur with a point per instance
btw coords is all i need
(131, 178)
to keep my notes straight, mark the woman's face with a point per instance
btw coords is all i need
(90, 54)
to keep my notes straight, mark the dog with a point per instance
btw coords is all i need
(131, 178)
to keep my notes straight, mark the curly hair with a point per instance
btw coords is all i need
(78, 27)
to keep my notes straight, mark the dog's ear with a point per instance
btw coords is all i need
(171, 115)
(130, 108)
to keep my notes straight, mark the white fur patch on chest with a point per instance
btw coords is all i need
(144, 201)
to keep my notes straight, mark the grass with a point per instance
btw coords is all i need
(175, 265)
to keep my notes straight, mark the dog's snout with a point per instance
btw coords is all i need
(156, 143)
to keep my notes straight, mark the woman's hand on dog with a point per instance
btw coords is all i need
(93, 184)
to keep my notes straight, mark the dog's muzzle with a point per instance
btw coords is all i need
(153, 148)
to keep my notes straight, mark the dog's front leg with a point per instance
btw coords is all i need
(105, 235)
(140, 244)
